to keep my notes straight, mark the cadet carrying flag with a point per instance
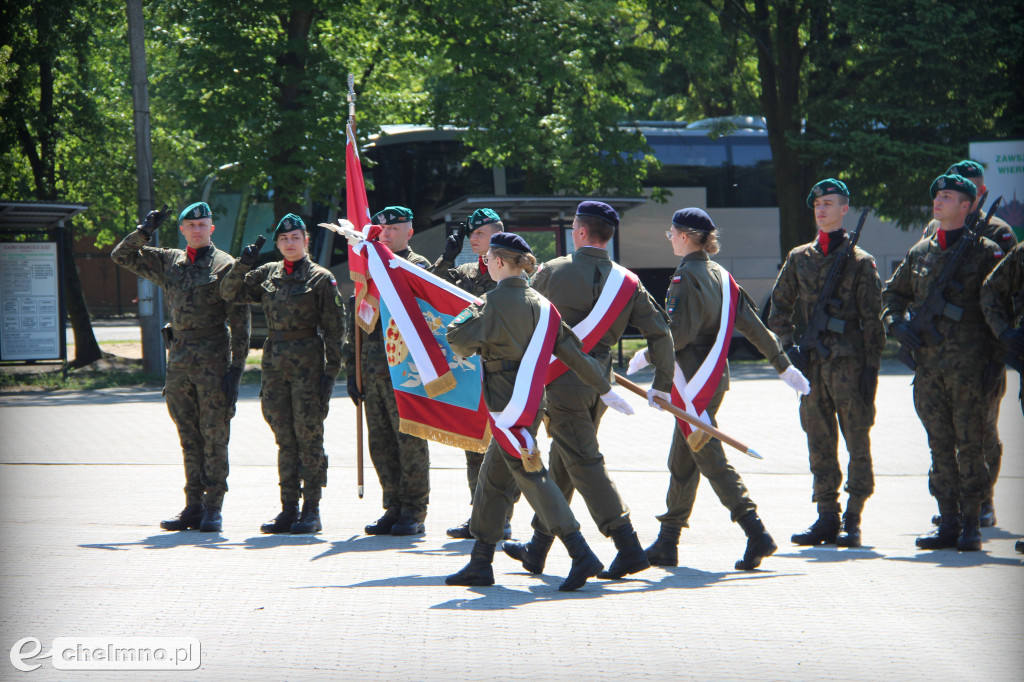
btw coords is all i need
(415, 308)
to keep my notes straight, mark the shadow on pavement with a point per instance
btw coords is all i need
(168, 540)
(832, 554)
(280, 540)
(371, 543)
(951, 558)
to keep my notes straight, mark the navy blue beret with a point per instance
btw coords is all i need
(598, 209)
(510, 241)
(693, 219)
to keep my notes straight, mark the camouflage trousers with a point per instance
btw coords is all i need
(402, 461)
(574, 412)
(501, 475)
(995, 389)
(686, 467)
(291, 406)
(196, 403)
(835, 392)
(953, 408)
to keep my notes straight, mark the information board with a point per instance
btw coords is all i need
(30, 326)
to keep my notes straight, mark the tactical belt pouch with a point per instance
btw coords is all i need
(168, 333)
(500, 365)
(201, 333)
(836, 326)
(291, 335)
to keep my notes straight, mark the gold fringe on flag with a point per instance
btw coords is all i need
(437, 435)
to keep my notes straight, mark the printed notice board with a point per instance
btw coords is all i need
(29, 302)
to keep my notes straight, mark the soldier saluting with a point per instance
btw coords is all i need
(208, 341)
(841, 362)
(949, 387)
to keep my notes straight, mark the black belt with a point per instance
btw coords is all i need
(201, 333)
(276, 335)
(500, 365)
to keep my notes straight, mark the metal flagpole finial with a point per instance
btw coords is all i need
(351, 98)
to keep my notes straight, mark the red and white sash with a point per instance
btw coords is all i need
(695, 394)
(510, 427)
(617, 291)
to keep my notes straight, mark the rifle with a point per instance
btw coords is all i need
(924, 318)
(820, 322)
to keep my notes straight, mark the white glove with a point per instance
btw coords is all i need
(638, 361)
(795, 379)
(615, 401)
(654, 393)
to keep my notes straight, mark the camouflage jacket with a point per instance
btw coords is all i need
(501, 327)
(574, 283)
(308, 298)
(193, 295)
(968, 338)
(374, 357)
(1002, 293)
(694, 305)
(471, 277)
(859, 296)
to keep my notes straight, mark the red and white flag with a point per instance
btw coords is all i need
(367, 299)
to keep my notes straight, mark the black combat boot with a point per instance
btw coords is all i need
(585, 563)
(282, 523)
(850, 534)
(631, 557)
(309, 522)
(942, 537)
(460, 532)
(212, 521)
(988, 514)
(531, 554)
(383, 525)
(1019, 546)
(970, 534)
(407, 525)
(664, 551)
(822, 531)
(189, 517)
(478, 572)
(759, 543)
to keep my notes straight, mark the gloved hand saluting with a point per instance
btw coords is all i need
(251, 254)
(638, 361)
(796, 380)
(653, 393)
(616, 402)
(229, 384)
(153, 221)
(453, 245)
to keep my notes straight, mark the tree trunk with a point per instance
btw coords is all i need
(86, 348)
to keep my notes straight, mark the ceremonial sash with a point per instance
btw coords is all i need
(510, 427)
(617, 291)
(694, 395)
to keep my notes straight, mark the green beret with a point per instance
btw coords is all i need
(481, 217)
(967, 169)
(392, 215)
(954, 182)
(829, 186)
(195, 212)
(287, 224)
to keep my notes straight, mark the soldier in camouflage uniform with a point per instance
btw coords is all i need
(301, 360)
(843, 381)
(474, 278)
(402, 461)
(1002, 302)
(1000, 232)
(950, 382)
(208, 344)
(500, 329)
(694, 304)
(574, 284)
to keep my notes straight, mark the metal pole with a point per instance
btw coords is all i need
(151, 308)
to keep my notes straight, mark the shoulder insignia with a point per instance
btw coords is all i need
(677, 279)
(998, 253)
(463, 316)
